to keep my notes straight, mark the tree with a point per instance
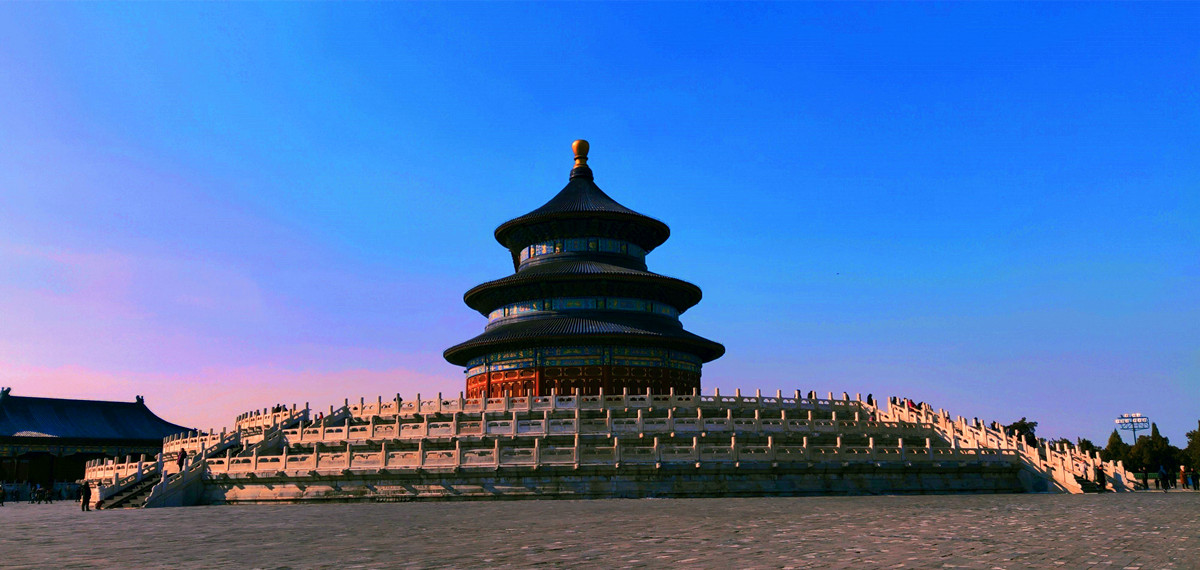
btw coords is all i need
(1116, 450)
(1154, 450)
(1024, 429)
(1191, 453)
(1085, 445)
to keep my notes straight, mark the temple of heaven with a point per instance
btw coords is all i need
(582, 314)
(584, 384)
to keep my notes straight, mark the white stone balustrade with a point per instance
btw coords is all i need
(115, 471)
(260, 420)
(193, 442)
(613, 454)
(399, 406)
(1060, 463)
(474, 425)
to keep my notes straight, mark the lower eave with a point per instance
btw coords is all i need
(566, 331)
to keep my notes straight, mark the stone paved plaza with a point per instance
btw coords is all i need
(1145, 530)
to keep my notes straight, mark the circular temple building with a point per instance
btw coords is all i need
(582, 313)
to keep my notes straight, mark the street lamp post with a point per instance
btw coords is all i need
(1133, 422)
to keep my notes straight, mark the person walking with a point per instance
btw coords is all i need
(85, 497)
(182, 459)
(1162, 476)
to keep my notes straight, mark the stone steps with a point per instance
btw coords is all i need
(134, 497)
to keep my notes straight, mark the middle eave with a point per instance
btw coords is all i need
(583, 278)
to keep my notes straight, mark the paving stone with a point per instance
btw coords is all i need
(1128, 530)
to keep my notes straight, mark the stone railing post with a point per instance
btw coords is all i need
(384, 457)
(575, 452)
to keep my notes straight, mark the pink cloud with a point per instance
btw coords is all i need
(212, 397)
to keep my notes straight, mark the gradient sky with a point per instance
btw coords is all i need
(994, 208)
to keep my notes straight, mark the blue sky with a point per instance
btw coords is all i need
(990, 207)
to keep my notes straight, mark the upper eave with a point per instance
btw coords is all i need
(579, 204)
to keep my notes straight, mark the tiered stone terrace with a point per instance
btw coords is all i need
(626, 445)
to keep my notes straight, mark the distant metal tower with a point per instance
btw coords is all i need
(1133, 422)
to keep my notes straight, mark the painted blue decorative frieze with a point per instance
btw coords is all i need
(525, 308)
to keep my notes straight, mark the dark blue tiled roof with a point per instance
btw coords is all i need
(581, 195)
(581, 199)
(22, 416)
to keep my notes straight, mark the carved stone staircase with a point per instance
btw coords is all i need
(183, 488)
(1090, 486)
(1047, 466)
(134, 496)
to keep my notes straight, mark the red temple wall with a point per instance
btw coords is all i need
(541, 381)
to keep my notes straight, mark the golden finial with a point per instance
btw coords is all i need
(581, 150)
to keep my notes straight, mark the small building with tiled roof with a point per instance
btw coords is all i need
(43, 440)
(582, 313)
